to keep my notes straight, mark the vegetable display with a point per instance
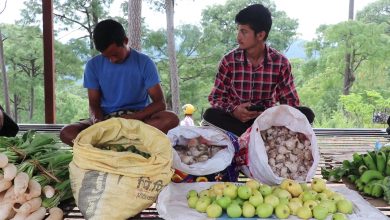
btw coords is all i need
(369, 172)
(34, 176)
(123, 148)
(254, 199)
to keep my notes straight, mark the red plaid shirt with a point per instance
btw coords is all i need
(237, 81)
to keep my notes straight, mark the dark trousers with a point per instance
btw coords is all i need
(10, 128)
(226, 121)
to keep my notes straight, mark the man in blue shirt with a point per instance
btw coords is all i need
(121, 82)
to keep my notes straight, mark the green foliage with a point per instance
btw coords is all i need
(319, 79)
(361, 107)
(336, 120)
(23, 53)
(378, 12)
(71, 107)
(324, 72)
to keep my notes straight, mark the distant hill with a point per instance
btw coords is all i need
(296, 50)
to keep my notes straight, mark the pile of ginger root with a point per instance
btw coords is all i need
(20, 195)
(289, 153)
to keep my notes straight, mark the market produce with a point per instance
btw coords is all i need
(264, 210)
(197, 150)
(282, 201)
(289, 153)
(248, 210)
(55, 213)
(31, 164)
(339, 216)
(369, 172)
(344, 206)
(123, 148)
(320, 212)
(282, 211)
(304, 212)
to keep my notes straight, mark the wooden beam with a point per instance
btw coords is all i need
(48, 57)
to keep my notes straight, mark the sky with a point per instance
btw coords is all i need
(310, 13)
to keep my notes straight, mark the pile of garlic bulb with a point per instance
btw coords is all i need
(289, 153)
(197, 150)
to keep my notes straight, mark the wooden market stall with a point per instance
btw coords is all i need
(335, 146)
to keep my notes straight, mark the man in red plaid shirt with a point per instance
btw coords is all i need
(252, 77)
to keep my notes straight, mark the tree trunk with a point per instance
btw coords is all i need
(169, 9)
(348, 71)
(16, 104)
(5, 78)
(134, 19)
(32, 97)
(349, 77)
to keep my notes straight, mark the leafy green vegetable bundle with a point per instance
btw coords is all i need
(34, 173)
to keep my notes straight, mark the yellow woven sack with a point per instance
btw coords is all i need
(117, 185)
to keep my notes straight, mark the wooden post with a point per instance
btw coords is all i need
(48, 57)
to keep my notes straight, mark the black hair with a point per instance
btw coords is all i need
(257, 17)
(107, 32)
(307, 112)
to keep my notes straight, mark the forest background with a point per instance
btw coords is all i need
(344, 76)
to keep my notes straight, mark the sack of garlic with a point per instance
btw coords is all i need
(202, 154)
(289, 152)
(282, 144)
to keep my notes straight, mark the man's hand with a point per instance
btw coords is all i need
(95, 119)
(134, 115)
(242, 113)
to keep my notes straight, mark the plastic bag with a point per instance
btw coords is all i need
(117, 185)
(217, 168)
(253, 156)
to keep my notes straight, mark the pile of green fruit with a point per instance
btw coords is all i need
(254, 199)
(370, 172)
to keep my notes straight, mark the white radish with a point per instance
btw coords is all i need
(48, 191)
(2, 194)
(5, 184)
(55, 213)
(10, 171)
(21, 183)
(10, 197)
(29, 206)
(37, 215)
(34, 189)
(3, 160)
(20, 216)
(6, 210)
